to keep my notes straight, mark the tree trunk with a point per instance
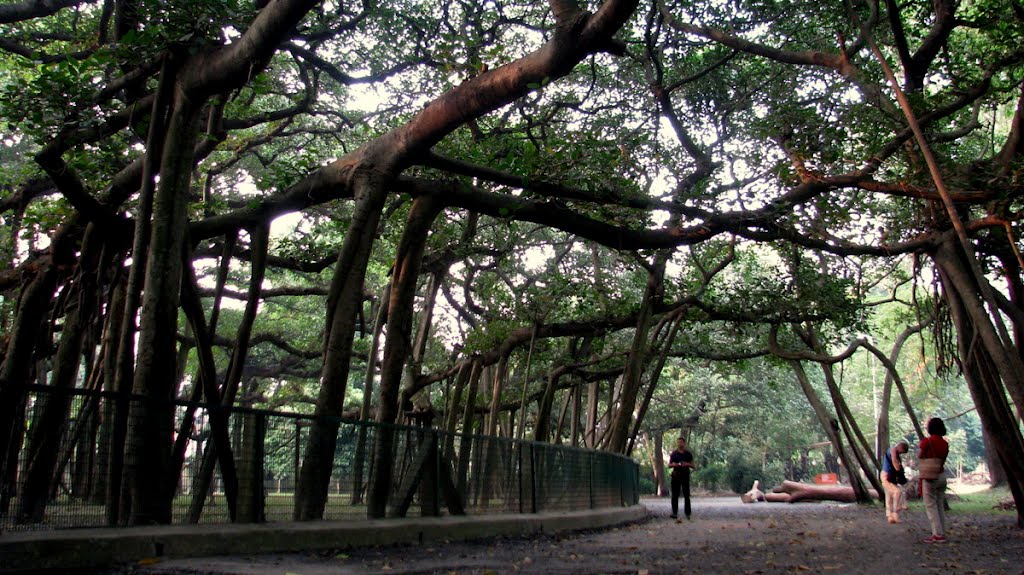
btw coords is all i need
(622, 413)
(521, 428)
(984, 375)
(397, 344)
(830, 426)
(220, 448)
(118, 493)
(251, 502)
(187, 421)
(1004, 356)
(452, 413)
(542, 431)
(497, 386)
(359, 460)
(1014, 281)
(83, 443)
(16, 370)
(427, 315)
(347, 297)
(114, 321)
(658, 462)
(590, 431)
(577, 414)
(44, 443)
(858, 444)
(490, 471)
(151, 422)
(225, 396)
(882, 439)
(663, 349)
(411, 394)
(465, 444)
(996, 473)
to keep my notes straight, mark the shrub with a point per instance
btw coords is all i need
(710, 477)
(647, 486)
(742, 473)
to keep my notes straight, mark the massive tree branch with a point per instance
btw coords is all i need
(805, 355)
(30, 9)
(215, 71)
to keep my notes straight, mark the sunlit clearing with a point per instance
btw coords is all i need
(365, 97)
(285, 225)
(537, 257)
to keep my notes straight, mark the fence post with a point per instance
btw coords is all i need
(430, 493)
(636, 484)
(259, 471)
(590, 477)
(251, 504)
(533, 479)
(521, 473)
(297, 456)
(624, 479)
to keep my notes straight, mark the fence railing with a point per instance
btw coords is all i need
(432, 472)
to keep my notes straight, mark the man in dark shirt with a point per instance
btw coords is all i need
(681, 462)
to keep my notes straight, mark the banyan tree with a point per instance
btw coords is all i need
(513, 214)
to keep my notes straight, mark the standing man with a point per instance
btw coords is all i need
(681, 462)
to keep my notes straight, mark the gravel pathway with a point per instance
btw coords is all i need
(725, 536)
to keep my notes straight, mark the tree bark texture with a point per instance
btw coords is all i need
(151, 423)
(984, 374)
(311, 491)
(622, 414)
(16, 370)
(398, 345)
(44, 443)
(829, 425)
(359, 460)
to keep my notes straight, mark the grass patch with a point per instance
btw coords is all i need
(981, 501)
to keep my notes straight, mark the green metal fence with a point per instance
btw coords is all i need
(432, 472)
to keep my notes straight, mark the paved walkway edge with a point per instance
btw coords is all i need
(121, 545)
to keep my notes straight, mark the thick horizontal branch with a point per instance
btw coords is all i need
(242, 253)
(805, 355)
(269, 293)
(29, 9)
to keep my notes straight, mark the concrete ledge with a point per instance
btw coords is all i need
(114, 546)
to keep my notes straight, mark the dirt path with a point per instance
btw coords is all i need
(724, 537)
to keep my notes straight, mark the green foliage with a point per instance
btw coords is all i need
(742, 472)
(43, 217)
(711, 477)
(757, 286)
(42, 100)
(647, 486)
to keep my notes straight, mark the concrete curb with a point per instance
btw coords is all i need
(121, 545)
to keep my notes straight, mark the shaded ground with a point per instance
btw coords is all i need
(724, 537)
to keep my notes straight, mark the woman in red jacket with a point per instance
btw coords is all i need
(931, 454)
